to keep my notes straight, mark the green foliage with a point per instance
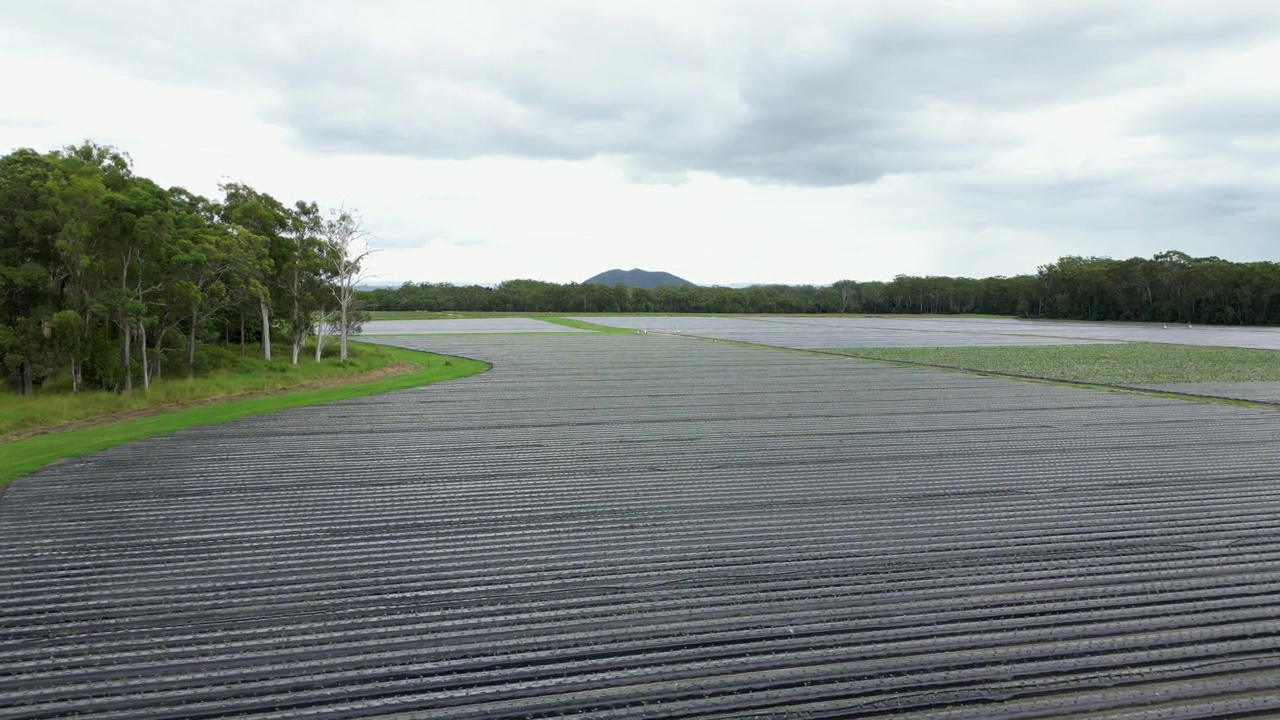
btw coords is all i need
(531, 296)
(223, 373)
(1110, 364)
(1170, 286)
(108, 281)
(228, 360)
(24, 456)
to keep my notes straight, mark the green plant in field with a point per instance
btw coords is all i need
(1109, 364)
(28, 454)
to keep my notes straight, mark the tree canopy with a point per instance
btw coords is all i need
(1169, 287)
(111, 280)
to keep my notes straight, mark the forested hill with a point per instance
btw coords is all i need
(1171, 286)
(636, 278)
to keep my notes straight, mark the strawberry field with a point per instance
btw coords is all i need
(647, 526)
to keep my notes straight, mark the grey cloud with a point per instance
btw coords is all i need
(851, 114)
(822, 95)
(814, 94)
(1245, 129)
(1116, 217)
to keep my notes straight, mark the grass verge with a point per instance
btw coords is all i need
(441, 314)
(28, 454)
(1114, 364)
(234, 376)
(475, 314)
(566, 322)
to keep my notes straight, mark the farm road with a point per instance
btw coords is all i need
(649, 526)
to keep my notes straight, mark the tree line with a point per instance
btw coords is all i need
(110, 280)
(1169, 287)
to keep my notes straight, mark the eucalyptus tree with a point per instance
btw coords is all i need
(305, 274)
(347, 247)
(29, 262)
(847, 290)
(103, 272)
(98, 248)
(260, 221)
(206, 256)
(76, 198)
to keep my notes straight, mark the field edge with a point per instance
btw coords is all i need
(21, 457)
(1130, 389)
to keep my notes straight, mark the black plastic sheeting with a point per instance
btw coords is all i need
(463, 325)
(814, 332)
(648, 526)
(1263, 391)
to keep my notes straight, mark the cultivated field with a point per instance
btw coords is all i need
(812, 332)
(1233, 363)
(464, 326)
(640, 525)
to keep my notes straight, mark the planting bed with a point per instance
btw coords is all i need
(825, 332)
(649, 526)
(464, 326)
(1120, 364)
(1263, 391)
(811, 333)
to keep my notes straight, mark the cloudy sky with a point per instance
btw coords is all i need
(726, 142)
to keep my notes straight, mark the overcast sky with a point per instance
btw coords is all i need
(725, 142)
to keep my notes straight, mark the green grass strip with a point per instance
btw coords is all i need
(566, 322)
(231, 377)
(466, 334)
(1106, 364)
(441, 314)
(479, 314)
(29, 454)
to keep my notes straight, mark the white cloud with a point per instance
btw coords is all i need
(722, 141)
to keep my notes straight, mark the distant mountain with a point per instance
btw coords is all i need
(636, 278)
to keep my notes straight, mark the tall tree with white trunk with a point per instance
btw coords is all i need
(305, 272)
(262, 222)
(101, 270)
(347, 246)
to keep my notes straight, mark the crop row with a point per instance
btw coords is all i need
(645, 526)
(829, 332)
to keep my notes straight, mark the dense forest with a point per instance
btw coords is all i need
(108, 280)
(1170, 287)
